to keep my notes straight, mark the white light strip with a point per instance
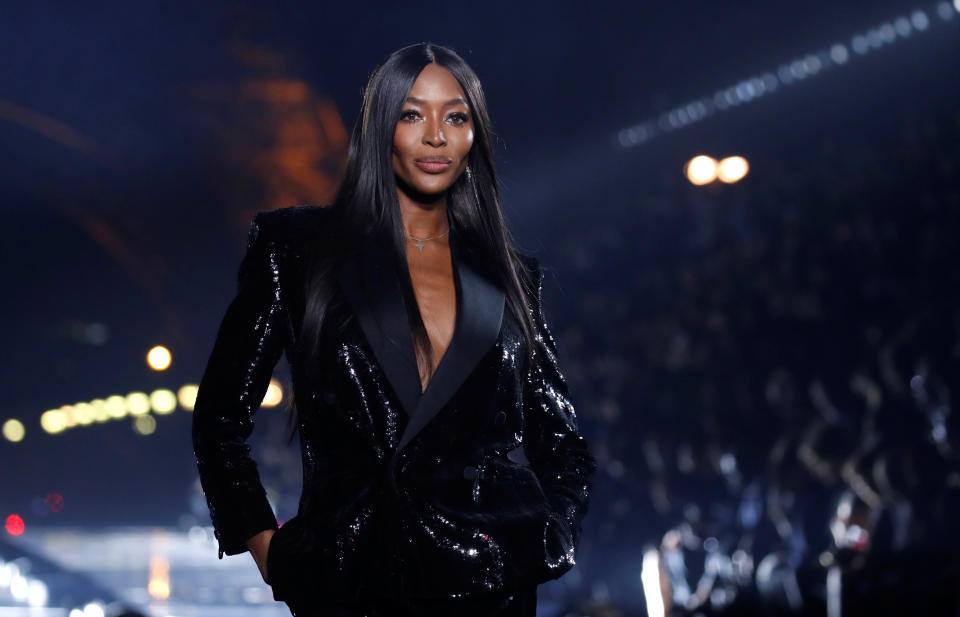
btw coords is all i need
(786, 74)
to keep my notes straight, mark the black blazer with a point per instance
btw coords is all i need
(479, 483)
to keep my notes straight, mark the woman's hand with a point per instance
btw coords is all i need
(258, 546)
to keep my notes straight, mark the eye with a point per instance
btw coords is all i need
(459, 118)
(409, 115)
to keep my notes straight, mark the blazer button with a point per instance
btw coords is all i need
(500, 418)
(470, 472)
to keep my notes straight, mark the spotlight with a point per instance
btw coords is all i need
(701, 170)
(732, 169)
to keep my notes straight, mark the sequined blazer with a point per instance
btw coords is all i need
(479, 483)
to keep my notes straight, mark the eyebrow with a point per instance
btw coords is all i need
(456, 101)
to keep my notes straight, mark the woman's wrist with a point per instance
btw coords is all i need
(258, 546)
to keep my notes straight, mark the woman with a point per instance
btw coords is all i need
(443, 469)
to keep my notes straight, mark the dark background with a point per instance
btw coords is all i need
(697, 325)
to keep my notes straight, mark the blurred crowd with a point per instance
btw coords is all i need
(766, 370)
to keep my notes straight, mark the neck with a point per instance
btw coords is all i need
(424, 216)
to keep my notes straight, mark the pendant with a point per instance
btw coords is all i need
(419, 246)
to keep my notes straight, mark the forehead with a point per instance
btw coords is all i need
(436, 84)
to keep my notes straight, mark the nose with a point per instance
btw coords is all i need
(433, 133)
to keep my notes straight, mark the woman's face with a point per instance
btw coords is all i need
(434, 133)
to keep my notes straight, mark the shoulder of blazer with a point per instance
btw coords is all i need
(295, 231)
(293, 223)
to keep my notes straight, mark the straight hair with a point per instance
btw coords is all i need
(366, 205)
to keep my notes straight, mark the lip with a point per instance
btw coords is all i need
(433, 164)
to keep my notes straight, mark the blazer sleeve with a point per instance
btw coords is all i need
(248, 344)
(557, 451)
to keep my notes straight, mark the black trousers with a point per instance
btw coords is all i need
(515, 604)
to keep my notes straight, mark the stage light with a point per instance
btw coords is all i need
(187, 396)
(720, 100)
(785, 75)
(138, 403)
(796, 70)
(116, 406)
(83, 413)
(145, 425)
(902, 26)
(68, 415)
(53, 421)
(860, 44)
(19, 588)
(273, 395)
(158, 358)
(650, 579)
(163, 401)
(13, 430)
(14, 525)
(37, 594)
(745, 91)
(99, 410)
(839, 53)
(159, 585)
(94, 609)
(701, 170)
(7, 573)
(732, 169)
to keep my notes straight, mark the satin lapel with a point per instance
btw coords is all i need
(480, 314)
(371, 288)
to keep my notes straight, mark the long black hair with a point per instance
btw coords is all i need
(367, 205)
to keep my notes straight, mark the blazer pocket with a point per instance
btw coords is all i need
(278, 558)
(515, 486)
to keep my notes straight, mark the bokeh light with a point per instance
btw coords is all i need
(37, 593)
(13, 430)
(273, 395)
(14, 525)
(116, 406)
(701, 170)
(138, 403)
(94, 609)
(187, 396)
(163, 401)
(145, 425)
(99, 410)
(53, 421)
(158, 358)
(83, 413)
(159, 585)
(732, 169)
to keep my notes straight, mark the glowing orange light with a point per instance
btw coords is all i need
(701, 170)
(14, 525)
(158, 358)
(274, 394)
(732, 169)
(159, 585)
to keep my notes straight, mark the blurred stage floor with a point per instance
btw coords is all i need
(159, 572)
